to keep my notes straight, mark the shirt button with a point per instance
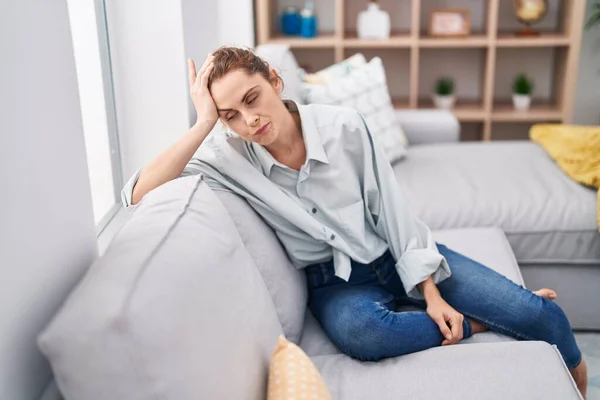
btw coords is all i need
(314, 210)
(332, 236)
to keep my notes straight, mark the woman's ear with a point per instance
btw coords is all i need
(276, 81)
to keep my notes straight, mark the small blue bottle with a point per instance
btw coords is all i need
(308, 28)
(291, 21)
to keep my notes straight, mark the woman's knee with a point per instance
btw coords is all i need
(544, 320)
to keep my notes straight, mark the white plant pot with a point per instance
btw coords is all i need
(444, 102)
(521, 102)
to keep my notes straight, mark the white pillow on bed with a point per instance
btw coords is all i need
(365, 89)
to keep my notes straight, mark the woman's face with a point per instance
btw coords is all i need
(250, 105)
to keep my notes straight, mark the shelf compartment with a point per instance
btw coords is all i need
(542, 40)
(538, 112)
(396, 63)
(554, 20)
(478, 11)
(322, 40)
(511, 130)
(313, 60)
(400, 19)
(468, 71)
(463, 42)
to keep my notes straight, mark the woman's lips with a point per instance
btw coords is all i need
(262, 129)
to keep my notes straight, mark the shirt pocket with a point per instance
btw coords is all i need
(352, 220)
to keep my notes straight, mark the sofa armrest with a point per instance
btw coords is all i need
(429, 126)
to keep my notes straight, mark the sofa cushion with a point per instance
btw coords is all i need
(547, 217)
(174, 309)
(485, 245)
(292, 375)
(286, 284)
(365, 90)
(493, 371)
(283, 61)
(488, 246)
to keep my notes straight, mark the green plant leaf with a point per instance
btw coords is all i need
(594, 18)
(444, 86)
(523, 85)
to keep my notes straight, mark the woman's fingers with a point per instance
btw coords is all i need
(192, 71)
(456, 323)
(444, 329)
(206, 74)
(203, 69)
(455, 330)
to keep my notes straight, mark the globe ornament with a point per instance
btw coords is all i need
(529, 12)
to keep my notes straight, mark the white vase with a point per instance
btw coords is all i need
(444, 102)
(521, 102)
(373, 23)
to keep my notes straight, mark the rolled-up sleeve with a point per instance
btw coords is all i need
(194, 167)
(409, 239)
(127, 191)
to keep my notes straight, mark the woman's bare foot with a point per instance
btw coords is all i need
(547, 293)
(580, 376)
(476, 327)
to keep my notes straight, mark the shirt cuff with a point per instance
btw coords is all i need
(416, 266)
(127, 191)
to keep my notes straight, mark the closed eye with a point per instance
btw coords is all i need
(231, 116)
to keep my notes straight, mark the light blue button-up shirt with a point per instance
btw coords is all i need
(344, 202)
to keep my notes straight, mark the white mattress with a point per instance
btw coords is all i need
(547, 217)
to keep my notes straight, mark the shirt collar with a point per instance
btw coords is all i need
(312, 140)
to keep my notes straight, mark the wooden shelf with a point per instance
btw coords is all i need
(487, 77)
(464, 110)
(401, 103)
(543, 40)
(323, 40)
(396, 40)
(537, 112)
(469, 41)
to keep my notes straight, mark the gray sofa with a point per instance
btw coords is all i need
(191, 295)
(549, 219)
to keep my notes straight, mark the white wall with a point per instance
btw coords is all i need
(208, 25)
(47, 233)
(150, 77)
(150, 44)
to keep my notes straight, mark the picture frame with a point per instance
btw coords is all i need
(449, 22)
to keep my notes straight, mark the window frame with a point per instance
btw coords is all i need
(111, 114)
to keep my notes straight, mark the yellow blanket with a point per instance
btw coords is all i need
(576, 149)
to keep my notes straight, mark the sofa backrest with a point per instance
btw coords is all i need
(285, 283)
(176, 308)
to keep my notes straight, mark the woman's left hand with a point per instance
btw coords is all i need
(443, 314)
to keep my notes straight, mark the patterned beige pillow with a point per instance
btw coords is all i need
(293, 376)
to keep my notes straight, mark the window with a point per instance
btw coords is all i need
(90, 45)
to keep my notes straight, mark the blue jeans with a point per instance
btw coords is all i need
(359, 315)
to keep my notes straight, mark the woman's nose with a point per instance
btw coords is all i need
(252, 120)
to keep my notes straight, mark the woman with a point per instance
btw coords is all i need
(315, 175)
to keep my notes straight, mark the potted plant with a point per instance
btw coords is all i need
(444, 93)
(594, 19)
(522, 88)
